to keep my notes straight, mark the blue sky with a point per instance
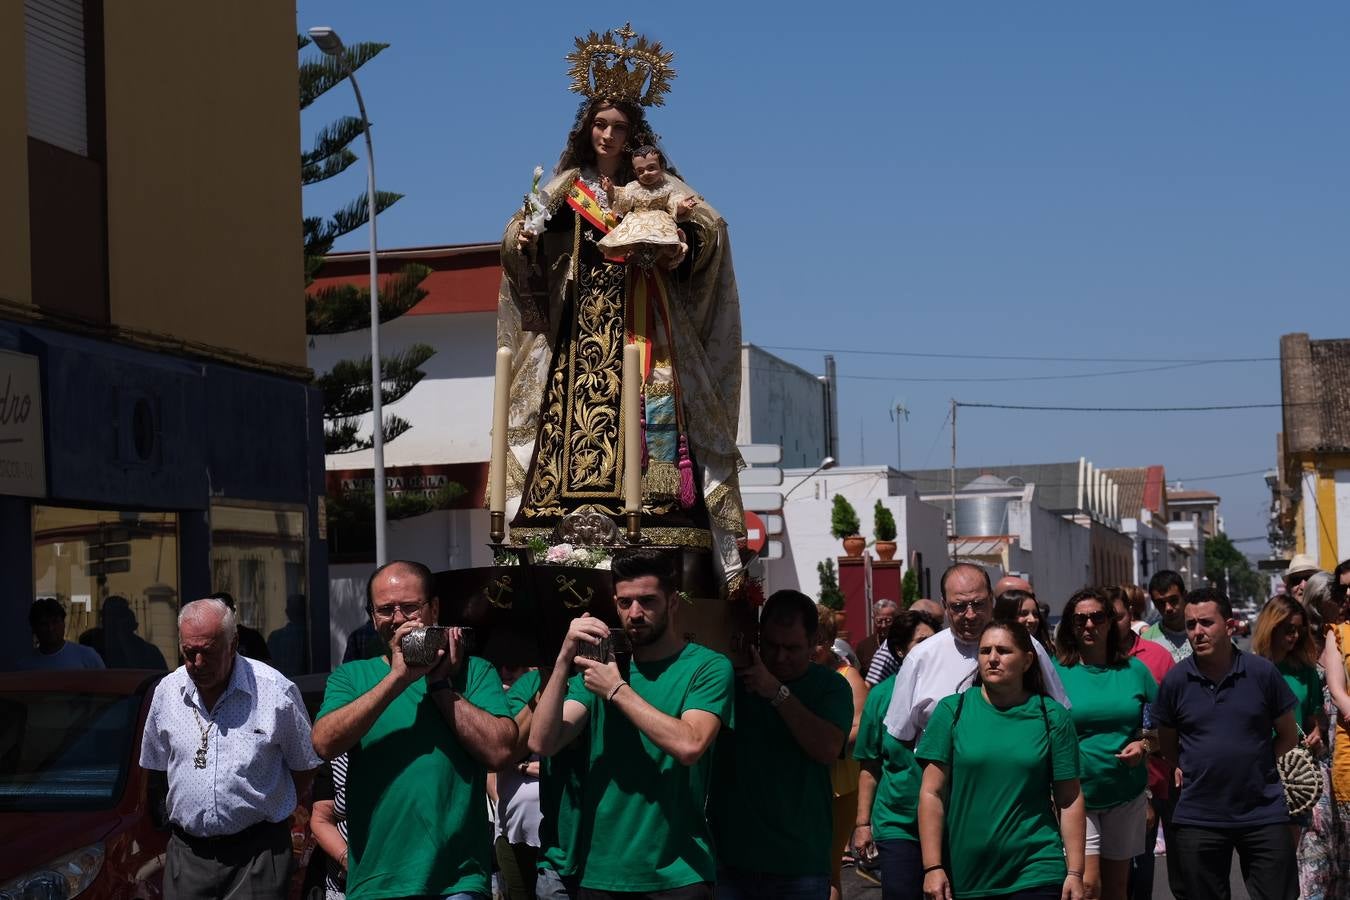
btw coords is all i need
(1138, 185)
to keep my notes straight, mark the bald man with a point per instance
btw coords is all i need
(1012, 583)
(945, 663)
(932, 607)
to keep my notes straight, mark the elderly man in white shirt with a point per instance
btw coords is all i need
(233, 739)
(945, 663)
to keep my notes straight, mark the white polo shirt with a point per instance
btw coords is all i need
(942, 666)
(258, 735)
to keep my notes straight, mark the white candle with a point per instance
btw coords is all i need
(630, 401)
(501, 406)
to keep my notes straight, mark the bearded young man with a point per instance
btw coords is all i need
(650, 737)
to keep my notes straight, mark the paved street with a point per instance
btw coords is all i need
(856, 888)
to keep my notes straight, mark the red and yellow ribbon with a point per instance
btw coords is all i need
(583, 201)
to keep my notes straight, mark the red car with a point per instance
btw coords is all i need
(76, 815)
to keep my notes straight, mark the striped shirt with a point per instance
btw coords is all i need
(883, 666)
(332, 785)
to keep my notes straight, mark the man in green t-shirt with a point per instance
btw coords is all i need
(562, 835)
(771, 799)
(650, 736)
(419, 743)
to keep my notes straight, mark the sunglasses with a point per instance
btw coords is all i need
(959, 609)
(1096, 618)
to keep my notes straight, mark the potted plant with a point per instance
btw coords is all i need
(883, 528)
(844, 524)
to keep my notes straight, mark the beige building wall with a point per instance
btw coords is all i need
(203, 173)
(15, 284)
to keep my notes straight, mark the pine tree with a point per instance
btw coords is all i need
(334, 310)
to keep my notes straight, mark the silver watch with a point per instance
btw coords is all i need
(778, 698)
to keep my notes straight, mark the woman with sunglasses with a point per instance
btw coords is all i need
(998, 759)
(1283, 636)
(1109, 691)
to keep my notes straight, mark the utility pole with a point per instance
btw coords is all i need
(900, 410)
(953, 530)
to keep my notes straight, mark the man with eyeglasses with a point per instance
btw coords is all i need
(945, 663)
(420, 741)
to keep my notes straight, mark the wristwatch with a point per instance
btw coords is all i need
(778, 698)
(440, 684)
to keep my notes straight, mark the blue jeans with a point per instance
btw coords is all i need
(901, 869)
(736, 885)
(549, 885)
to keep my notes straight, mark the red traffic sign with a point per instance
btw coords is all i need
(756, 535)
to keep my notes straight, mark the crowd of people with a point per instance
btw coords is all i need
(968, 750)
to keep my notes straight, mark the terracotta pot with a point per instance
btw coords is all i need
(854, 544)
(886, 550)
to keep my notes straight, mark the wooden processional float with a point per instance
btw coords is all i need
(519, 609)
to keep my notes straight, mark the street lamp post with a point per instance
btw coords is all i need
(826, 463)
(327, 40)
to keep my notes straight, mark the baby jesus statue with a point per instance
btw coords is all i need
(649, 208)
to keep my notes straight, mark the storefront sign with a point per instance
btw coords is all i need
(22, 470)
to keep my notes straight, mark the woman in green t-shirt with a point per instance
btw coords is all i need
(1282, 636)
(994, 757)
(887, 826)
(1108, 690)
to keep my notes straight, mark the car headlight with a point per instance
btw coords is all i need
(62, 878)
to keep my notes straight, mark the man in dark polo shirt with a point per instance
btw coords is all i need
(1224, 717)
(771, 796)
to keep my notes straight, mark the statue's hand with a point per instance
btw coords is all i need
(525, 239)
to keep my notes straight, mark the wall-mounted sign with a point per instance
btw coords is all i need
(22, 470)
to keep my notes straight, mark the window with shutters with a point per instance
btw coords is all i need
(54, 43)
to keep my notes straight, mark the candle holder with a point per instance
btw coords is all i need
(634, 527)
(497, 527)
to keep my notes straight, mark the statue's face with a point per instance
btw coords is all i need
(609, 133)
(648, 170)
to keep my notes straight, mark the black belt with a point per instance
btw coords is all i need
(221, 841)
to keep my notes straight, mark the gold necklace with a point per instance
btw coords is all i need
(199, 759)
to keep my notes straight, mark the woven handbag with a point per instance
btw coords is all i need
(1302, 778)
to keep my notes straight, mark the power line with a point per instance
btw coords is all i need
(1127, 409)
(1006, 378)
(979, 356)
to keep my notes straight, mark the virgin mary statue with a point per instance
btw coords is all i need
(566, 311)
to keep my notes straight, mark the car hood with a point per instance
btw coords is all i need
(32, 839)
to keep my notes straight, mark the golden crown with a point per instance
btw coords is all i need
(615, 66)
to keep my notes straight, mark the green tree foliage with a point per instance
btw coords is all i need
(830, 596)
(344, 308)
(351, 514)
(346, 387)
(883, 522)
(1228, 569)
(909, 588)
(844, 518)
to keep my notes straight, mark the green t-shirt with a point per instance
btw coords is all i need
(1001, 834)
(1108, 709)
(648, 827)
(1307, 688)
(895, 810)
(561, 776)
(416, 820)
(759, 824)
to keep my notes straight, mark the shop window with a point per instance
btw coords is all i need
(116, 573)
(258, 557)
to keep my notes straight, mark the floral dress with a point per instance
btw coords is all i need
(1324, 851)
